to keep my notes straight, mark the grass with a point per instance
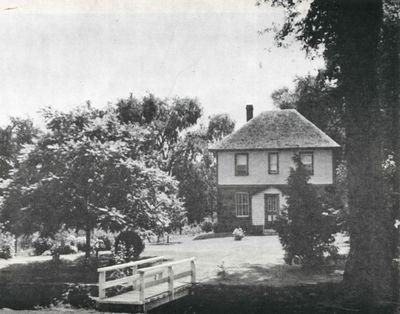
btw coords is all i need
(70, 271)
(246, 261)
(255, 261)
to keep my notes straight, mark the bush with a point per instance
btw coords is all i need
(128, 246)
(238, 234)
(41, 245)
(306, 228)
(79, 297)
(191, 230)
(63, 242)
(106, 239)
(207, 225)
(7, 243)
(101, 241)
(81, 243)
(67, 249)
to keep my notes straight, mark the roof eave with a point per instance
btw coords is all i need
(272, 148)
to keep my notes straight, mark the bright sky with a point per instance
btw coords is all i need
(65, 52)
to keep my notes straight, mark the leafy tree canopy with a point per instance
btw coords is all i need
(167, 118)
(88, 171)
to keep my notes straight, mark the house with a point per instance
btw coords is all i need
(253, 165)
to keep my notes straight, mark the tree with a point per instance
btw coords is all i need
(318, 99)
(219, 126)
(307, 227)
(12, 138)
(167, 119)
(194, 166)
(283, 98)
(349, 32)
(195, 169)
(91, 171)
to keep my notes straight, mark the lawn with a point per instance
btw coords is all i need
(253, 261)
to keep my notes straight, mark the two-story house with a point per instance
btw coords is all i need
(253, 165)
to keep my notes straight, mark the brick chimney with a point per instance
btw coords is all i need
(249, 112)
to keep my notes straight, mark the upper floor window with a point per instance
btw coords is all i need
(241, 164)
(242, 204)
(273, 163)
(307, 159)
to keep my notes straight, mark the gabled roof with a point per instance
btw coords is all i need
(276, 129)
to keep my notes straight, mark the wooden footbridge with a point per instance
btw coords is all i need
(141, 289)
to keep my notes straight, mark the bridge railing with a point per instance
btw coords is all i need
(172, 276)
(128, 280)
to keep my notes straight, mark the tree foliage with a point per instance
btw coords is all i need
(195, 169)
(12, 138)
(307, 227)
(219, 126)
(167, 119)
(88, 171)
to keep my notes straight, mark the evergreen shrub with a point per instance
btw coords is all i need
(307, 226)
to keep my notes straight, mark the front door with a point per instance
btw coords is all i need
(271, 207)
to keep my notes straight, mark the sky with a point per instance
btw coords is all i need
(62, 53)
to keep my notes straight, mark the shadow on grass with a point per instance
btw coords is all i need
(77, 271)
(277, 275)
(272, 289)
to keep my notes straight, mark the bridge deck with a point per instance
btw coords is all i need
(151, 294)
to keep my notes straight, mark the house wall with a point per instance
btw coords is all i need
(258, 168)
(254, 223)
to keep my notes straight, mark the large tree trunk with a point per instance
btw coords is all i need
(368, 272)
(391, 91)
(87, 248)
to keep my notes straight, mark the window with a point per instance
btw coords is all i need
(273, 163)
(307, 159)
(241, 165)
(242, 204)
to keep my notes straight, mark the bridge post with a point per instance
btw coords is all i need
(193, 270)
(102, 281)
(141, 279)
(134, 271)
(171, 282)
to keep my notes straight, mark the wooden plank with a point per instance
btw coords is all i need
(120, 281)
(183, 275)
(127, 280)
(152, 294)
(130, 264)
(166, 265)
(156, 272)
(156, 282)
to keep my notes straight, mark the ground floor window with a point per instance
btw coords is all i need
(242, 204)
(271, 205)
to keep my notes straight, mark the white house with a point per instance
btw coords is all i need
(253, 165)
